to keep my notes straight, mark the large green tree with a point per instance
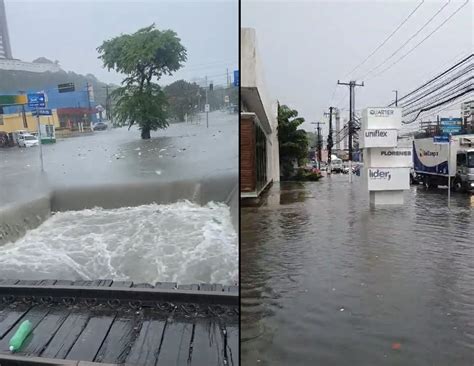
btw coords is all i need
(293, 141)
(144, 56)
(183, 98)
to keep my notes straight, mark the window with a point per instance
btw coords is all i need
(470, 160)
(461, 159)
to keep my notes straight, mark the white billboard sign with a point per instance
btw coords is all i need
(398, 157)
(378, 138)
(387, 179)
(381, 118)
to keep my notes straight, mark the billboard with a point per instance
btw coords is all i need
(398, 157)
(381, 118)
(387, 179)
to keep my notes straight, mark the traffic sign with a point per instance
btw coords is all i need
(440, 140)
(36, 100)
(66, 88)
(450, 121)
(207, 108)
(226, 99)
(236, 78)
(42, 112)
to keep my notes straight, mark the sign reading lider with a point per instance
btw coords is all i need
(398, 157)
(388, 179)
(378, 138)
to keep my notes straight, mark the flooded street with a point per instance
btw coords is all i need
(328, 281)
(183, 151)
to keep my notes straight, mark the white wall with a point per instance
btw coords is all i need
(27, 66)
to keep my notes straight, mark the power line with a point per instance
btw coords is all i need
(422, 41)
(435, 78)
(386, 39)
(470, 89)
(408, 41)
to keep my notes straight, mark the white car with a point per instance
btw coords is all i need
(26, 140)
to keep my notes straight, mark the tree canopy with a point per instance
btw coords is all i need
(183, 98)
(144, 56)
(293, 141)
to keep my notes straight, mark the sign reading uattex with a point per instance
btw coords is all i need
(388, 179)
(378, 138)
(42, 112)
(398, 157)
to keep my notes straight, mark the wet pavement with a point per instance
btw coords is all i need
(183, 151)
(325, 280)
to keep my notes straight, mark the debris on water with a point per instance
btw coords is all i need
(158, 172)
(396, 346)
(139, 154)
(137, 149)
(162, 150)
(333, 289)
(160, 156)
(341, 309)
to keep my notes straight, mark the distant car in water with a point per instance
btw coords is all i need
(99, 126)
(27, 140)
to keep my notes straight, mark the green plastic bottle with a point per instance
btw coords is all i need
(20, 335)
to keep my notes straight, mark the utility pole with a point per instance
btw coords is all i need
(352, 84)
(23, 112)
(329, 141)
(206, 107)
(396, 97)
(228, 82)
(319, 143)
(107, 112)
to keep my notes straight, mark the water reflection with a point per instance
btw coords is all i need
(327, 280)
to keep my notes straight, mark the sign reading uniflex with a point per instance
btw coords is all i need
(387, 179)
(378, 138)
(381, 118)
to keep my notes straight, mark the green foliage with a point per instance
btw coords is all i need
(184, 98)
(143, 56)
(306, 175)
(293, 141)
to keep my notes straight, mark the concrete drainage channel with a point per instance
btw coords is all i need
(118, 322)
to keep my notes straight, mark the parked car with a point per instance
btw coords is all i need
(99, 126)
(27, 140)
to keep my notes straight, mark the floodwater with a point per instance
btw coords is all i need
(183, 151)
(325, 280)
(180, 242)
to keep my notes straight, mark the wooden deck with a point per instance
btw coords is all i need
(122, 323)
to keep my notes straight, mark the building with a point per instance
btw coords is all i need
(259, 152)
(14, 122)
(467, 114)
(5, 48)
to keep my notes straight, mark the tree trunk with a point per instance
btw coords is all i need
(145, 133)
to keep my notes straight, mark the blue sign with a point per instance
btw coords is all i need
(36, 100)
(236, 78)
(43, 112)
(451, 128)
(450, 121)
(441, 140)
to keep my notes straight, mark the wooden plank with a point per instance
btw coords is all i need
(63, 283)
(9, 317)
(175, 347)
(8, 282)
(207, 345)
(34, 315)
(232, 345)
(91, 338)
(44, 332)
(193, 287)
(28, 282)
(166, 285)
(145, 349)
(66, 336)
(142, 285)
(47, 282)
(117, 343)
(122, 284)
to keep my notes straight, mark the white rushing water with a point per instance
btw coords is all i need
(181, 242)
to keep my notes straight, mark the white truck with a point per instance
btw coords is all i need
(430, 162)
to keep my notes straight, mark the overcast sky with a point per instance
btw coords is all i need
(70, 31)
(306, 46)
